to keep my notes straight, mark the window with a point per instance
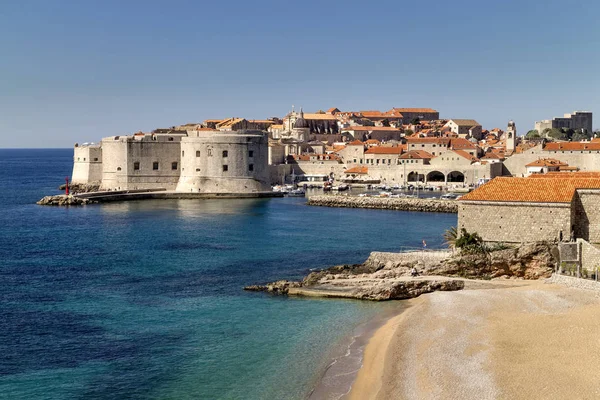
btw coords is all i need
(251, 167)
(136, 166)
(84, 158)
(170, 139)
(182, 153)
(155, 165)
(96, 159)
(174, 166)
(225, 168)
(251, 153)
(118, 168)
(225, 153)
(197, 169)
(197, 153)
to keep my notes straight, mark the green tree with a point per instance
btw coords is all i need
(532, 134)
(408, 132)
(579, 136)
(467, 239)
(450, 236)
(415, 121)
(557, 134)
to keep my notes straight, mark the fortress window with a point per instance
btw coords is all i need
(136, 166)
(225, 153)
(96, 159)
(197, 153)
(83, 158)
(170, 139)
(251, 153)
(182, 153)
(225, 168)
(155, 165)
(174, 166)
(118, 168)
(251, 167)
(197, 169)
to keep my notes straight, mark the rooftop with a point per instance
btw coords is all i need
(555, 189)
(385, 150)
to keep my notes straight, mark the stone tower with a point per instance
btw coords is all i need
(511, 137)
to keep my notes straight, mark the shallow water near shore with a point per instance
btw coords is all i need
(144, 300)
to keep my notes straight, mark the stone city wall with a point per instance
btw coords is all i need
(586, 214)
(590, 255)
(584, 160)
(215, 162)
(515, 222)
(129, 163)
(87, 164)
(574, 282)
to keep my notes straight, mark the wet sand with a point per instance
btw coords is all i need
(537, 341)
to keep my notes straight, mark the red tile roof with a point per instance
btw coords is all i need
(565, 175)
(356, 143)
(384, 150)
(357, 170)
(370, 128)
(546, 162)
(466, 155)
(460, 143)
(416, 154)
(550, 190)
(572, 146)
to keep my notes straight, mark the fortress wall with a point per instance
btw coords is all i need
(219, 162)
(586, 213)
(87, 164)
(122, 153)
(515, 222)
(585, 160)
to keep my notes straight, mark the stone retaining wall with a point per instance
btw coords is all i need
(401, 204)
(574, 282)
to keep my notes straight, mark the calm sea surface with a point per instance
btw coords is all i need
(144, 300)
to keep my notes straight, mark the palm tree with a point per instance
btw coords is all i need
(450, 236)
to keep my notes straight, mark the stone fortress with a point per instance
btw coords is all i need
(197, 160)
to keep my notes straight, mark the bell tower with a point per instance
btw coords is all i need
(511, 137)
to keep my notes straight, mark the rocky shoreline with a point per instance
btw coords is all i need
(64, 200)
(385, 203)
(387, 276)
(80, 187)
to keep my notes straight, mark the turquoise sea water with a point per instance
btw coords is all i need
(143, 300)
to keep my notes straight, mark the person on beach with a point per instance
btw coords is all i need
(414, 272)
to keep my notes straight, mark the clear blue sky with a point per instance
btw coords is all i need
(76, 71)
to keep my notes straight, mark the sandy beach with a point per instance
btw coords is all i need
(532, 341)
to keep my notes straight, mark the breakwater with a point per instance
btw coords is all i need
(385, 203)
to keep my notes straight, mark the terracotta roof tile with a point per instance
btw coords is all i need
(384, 150)
(546, 162)
(357, 170)
(416, 154)
(550, 190)
(572, 146)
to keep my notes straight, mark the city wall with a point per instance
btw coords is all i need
(513, 222)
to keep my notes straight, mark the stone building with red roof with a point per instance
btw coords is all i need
(517, 210)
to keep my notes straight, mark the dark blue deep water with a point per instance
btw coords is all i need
(143, 300)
